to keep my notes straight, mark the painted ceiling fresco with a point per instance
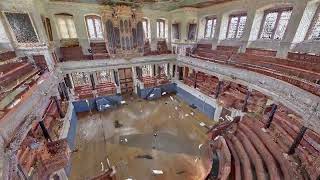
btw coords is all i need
(154, 4)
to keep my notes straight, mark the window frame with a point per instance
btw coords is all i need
(147, 27)
(273, 10)
(238, 15)
(94, 17)
(213, 18)
(313, 23)
(164, 28)
(59, 30)
(11, 32)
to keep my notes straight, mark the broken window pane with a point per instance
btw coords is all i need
(269, 24)
(315, 32)
(282, 25)
(275, 24)
(22, 27)
(208, 28)
(233, 27)
(241, 25)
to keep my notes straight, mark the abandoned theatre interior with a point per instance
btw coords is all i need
(160, 89)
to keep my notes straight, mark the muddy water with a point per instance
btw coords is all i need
(166, 131)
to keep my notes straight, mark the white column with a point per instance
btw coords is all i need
(135, 79)
(118, 77)
(153, 30)
(217, 112)
(246, 33)
(81, 32)
(292, 27)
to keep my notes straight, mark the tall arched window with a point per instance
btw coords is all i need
(94, 27)
(160, 28)
(66, 26)
(145, 25)
(275, 22)
(210, 27)
(237, 23)
(314, 30)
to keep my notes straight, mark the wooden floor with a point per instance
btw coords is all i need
(175, 149)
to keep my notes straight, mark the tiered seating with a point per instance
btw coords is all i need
(162, 79)
(17, 76)
(303, 74)
(225, 157)
(162, 47)
(254, 153)
(232, 95)
(99, 50)
(53, 156)
(285, 127)
(106, 89)
(149, 81)
(221, 55)
(256, 102)
(12, 72)
(261, 52)
(84, 91)
(206, 83)
(27, 154)
(73, 53)
(50, 115)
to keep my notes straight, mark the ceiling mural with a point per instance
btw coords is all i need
(153, 4)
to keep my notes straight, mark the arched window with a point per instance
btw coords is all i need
(160, 28)
(275, 22)
(145, 25)
(210, 27)
(66, 26)
(94, 27)
(237, 23)
(314, 30)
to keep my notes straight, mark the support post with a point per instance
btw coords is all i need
(218, 89)
(93, 83)
(195, 79)
(246, 101)
(270, 118)
(45, 131)
(297, 140)
(58, 107)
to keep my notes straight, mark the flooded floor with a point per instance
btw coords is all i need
(154, 135)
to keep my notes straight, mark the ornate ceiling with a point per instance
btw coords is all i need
(154, 4)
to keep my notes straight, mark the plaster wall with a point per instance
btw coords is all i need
(5, 44)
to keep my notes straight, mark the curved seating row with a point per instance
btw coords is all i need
(255, 153)
(300, 70)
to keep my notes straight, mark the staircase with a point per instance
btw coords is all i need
(99, 50)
